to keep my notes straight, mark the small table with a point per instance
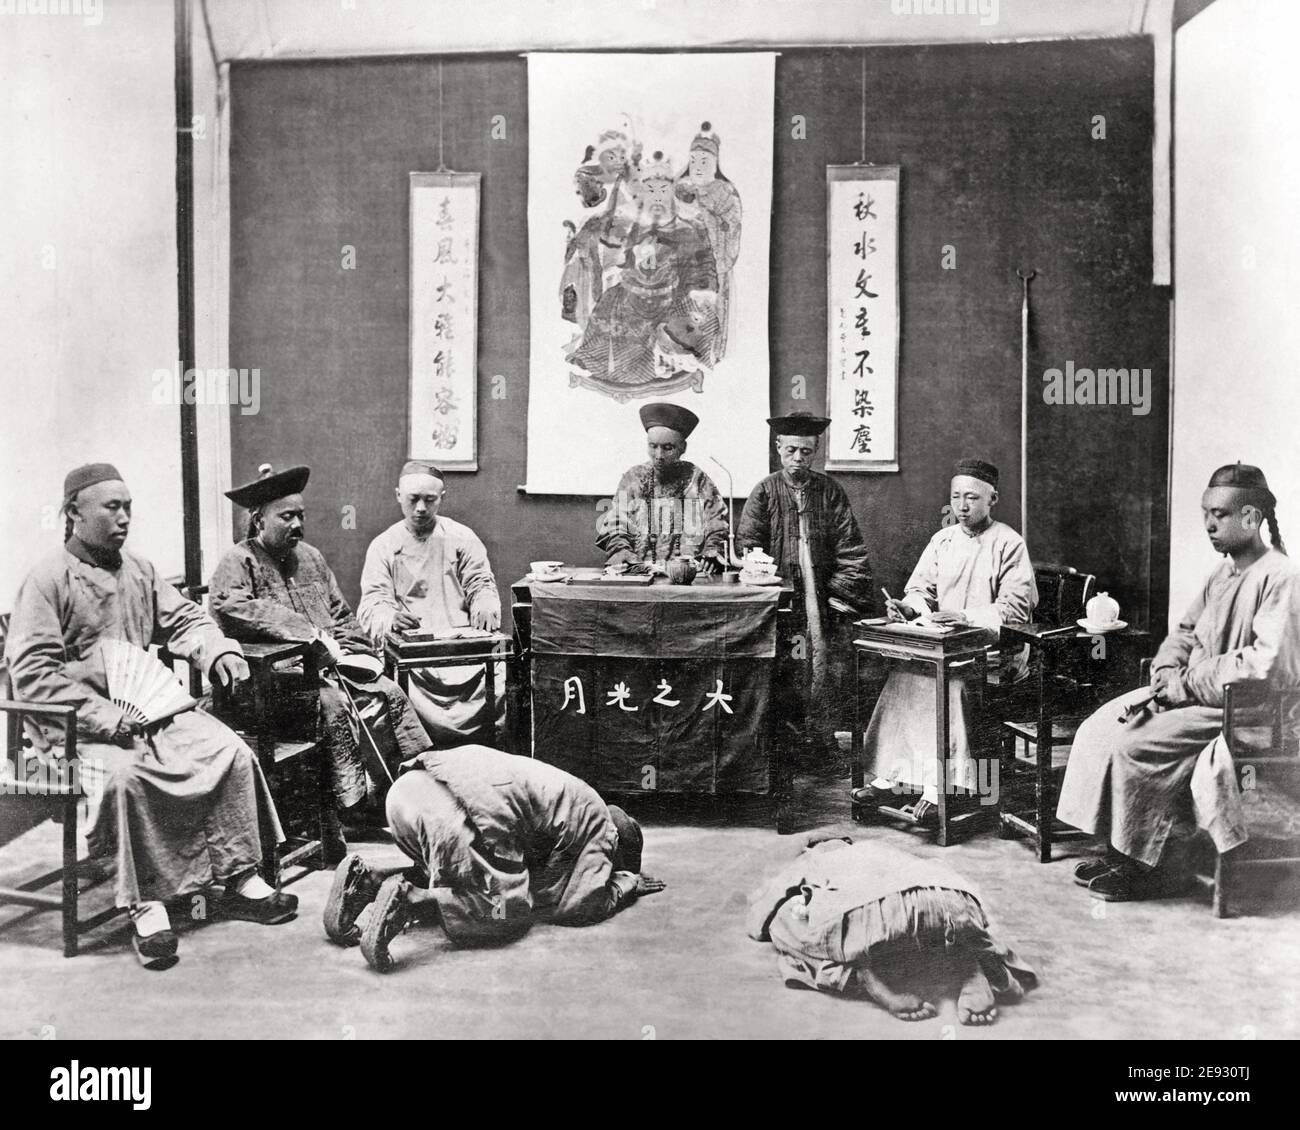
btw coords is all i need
(944, 652)
(458, 651)
(1048, 643)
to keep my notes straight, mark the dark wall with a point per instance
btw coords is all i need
(998, 161)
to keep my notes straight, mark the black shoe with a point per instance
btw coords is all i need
(354, 888)
(269, 911)
(391, 915)
(157, 951)
(1087, 870)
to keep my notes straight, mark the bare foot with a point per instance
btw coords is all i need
(905, 1006)
(975, 1005)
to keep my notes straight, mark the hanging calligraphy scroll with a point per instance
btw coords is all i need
(444, 319)
(862, 323)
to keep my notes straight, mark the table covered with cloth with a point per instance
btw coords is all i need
(657, 688)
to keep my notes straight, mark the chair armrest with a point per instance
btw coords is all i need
(16, 709)
(67, 714)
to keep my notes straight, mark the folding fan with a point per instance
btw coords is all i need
(142, 686)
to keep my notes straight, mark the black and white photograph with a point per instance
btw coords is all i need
(651, 520)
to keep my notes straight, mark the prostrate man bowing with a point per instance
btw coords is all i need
(665, 507)
(273, 585)
(974, 573)
(804, 520)
(431, 573)
(179, 804)
(1147, 783)
(502, 841)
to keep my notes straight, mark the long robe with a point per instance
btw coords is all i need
(182, 808)
(825, 912)
(658, 513)
(255, 598)
(443, 578)
(661, 266)
(506, 841)
(1166, 770)
(810, 531)
(989, 577)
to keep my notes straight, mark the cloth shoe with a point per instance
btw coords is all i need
(391, 915)
(354, 888)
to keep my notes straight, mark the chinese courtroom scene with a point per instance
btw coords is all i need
(594, 520)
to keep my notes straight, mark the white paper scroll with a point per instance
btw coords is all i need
(862, 323)
(444, 319)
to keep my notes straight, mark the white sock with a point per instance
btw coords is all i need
(253, 886)
(930, 793)
(150, 918)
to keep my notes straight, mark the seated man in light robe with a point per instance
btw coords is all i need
(665, 507)
(499, 842)
(975, 573)
(273, 585)
(850, 918)
(804, 519)
(177, 805)
(430, 573)
(1148, 783)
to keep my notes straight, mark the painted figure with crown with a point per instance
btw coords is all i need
(655, 330)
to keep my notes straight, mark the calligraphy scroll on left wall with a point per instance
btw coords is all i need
(862, 318)
(444, 319)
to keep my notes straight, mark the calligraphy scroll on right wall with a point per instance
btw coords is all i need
(862, 323)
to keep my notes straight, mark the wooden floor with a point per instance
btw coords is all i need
(677, 964)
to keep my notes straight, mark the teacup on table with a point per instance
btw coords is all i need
(545, 570)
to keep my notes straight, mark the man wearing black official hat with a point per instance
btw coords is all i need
(179, 804)
(1147, 783)
(974, 573)
(804, 520)
(665, 507)
(273, 585)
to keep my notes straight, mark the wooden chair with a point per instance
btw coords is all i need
(280, 722)
(29, 797)
(1026, 766)
(1261, 731)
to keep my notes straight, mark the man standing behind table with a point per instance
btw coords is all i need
(273, 585)
(431, 573)
(1146, 784)
(804, 520)
(665, 507)
(974, 574)
(181, 804)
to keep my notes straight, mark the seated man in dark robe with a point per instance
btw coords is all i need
(804, 520)
(665, 507)
(853, 918)
(498, 842)
(273, 585)
(1149, 782)
(179, 804)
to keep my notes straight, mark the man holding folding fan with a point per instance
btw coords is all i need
(180, 803)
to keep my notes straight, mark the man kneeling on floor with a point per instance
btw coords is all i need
(850, 918)
(503, 841)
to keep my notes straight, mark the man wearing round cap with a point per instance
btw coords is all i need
(665, 507)
(179, 804)
(975, 573)
(431, 573)
(273, 585)
(804, 520)
(1147, 784)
